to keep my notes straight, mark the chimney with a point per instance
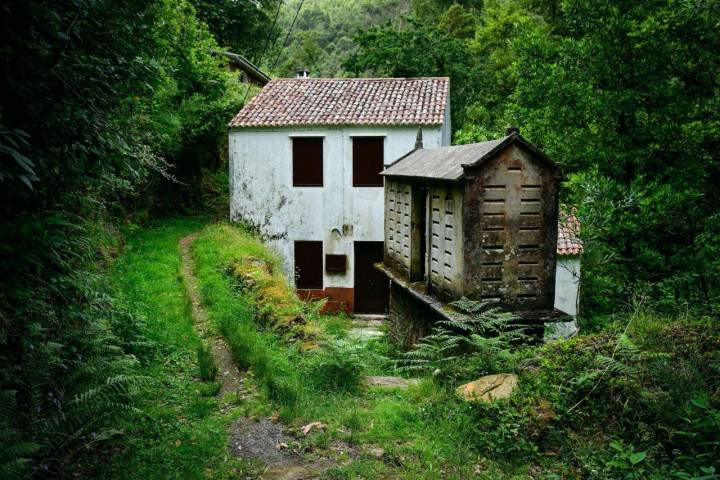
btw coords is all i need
(418, 140)
(302, 73)
(512, 129)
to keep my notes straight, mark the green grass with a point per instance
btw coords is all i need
(425, 431)
(177, 431)
(656, 388)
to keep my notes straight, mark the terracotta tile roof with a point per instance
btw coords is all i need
(347, 101)
(568, 242)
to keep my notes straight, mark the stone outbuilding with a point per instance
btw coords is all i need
(477, 221)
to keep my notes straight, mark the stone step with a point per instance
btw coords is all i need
(364, 334)
(368, 321)
(390, 382)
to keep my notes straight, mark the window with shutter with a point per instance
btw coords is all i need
(368, 158)
(308, 162)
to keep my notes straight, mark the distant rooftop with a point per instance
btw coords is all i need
(568, 242)
(347, 101)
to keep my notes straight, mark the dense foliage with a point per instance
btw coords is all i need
(108, 111)
(114, 113)
(624, 96)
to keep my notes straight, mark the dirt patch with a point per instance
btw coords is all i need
(262, 440)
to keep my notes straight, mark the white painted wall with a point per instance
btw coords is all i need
(261, 190)
(567, 280)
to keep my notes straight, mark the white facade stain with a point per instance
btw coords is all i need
(262, 192)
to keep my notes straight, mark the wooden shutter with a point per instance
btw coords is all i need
(368, 157)
(308, 264)
(308, 162)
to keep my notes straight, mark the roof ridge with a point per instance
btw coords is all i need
(347, 101)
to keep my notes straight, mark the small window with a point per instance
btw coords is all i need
(308, 162)
(368, 157)
(308, 264)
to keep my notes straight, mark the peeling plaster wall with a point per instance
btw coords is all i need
(337, 213)
(567, 281)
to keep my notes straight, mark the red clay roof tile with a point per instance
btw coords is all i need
(347, 101)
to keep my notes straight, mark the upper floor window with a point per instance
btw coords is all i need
(307, 161)
(368, 159)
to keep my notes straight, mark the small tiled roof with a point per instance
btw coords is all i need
(449, 163)
(443, 163)
(347, 101)
(568, 242)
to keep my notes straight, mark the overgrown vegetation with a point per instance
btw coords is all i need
(109, 111)
(634, 401)
(113, 113)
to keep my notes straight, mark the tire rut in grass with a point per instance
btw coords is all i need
(252, 440)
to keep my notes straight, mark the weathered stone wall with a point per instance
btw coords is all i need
(510, 231)
(446, 267)
(409, 319)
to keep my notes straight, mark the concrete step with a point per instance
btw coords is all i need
(365, 334)
(368, 321)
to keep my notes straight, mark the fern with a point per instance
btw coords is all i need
(480, 334)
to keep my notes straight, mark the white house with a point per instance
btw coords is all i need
(305, 162)
(567, 271)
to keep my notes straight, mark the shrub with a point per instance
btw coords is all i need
(337, 365)
(479, 340)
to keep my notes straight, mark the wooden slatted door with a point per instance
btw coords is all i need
(371, 285)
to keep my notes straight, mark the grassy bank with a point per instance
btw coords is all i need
(177, 430)
(423, 432)
(633, 401)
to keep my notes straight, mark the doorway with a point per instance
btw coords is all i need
(371, 285)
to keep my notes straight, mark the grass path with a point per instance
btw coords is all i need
(259, 439)
(182, 429)
(229, 376)
(178, 429)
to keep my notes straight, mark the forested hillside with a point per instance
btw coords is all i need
(113, 117)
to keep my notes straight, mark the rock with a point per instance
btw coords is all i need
(488, 388)
(291, 472)
(390, 382)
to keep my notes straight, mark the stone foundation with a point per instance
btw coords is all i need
(409, 319)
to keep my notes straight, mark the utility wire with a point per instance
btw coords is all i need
(272, 29)
(264, 50)
(287, 37)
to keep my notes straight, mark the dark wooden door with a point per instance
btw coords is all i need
(371, 285)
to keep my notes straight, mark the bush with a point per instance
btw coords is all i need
(206, 362)
(338, 365)
(478, 341)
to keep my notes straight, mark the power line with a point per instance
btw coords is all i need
(267, 40)
(287, 37)
(272, 28)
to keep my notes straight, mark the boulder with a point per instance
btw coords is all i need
(560, 330)
(488, 388)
